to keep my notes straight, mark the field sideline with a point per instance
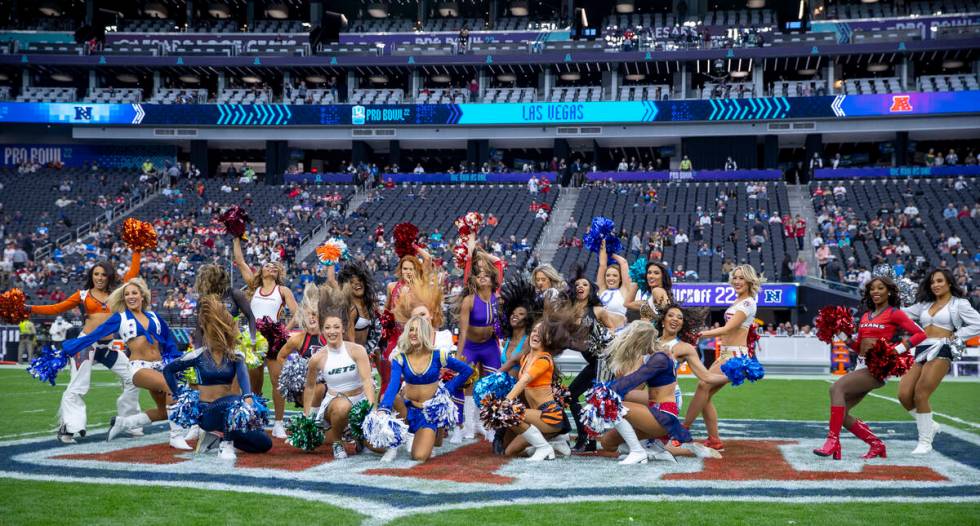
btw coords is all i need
(29, 409)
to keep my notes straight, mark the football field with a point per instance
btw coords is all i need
(768, 475)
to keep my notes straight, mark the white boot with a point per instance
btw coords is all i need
(927, 431)
(560, 445)
(657, 451)
(390, 454)
(119, 424)
(409, 440)
(177, 440)
(193, 433)
(469, 418)
(542, 449)
(278, 429)
(456, 437)
(637, 454)
(700, 450)
(226, 451)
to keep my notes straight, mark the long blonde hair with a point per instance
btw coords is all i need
(426, 336)
(310, 303)
(117, 300)
(420, 293)
(753, 279)
(219, 328)
(552, 274)
(256, 282)
(212, 279)
(626, 351)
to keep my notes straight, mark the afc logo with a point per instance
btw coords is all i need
(83, 113)
(773, 297)
(901, 103)
(357, 115)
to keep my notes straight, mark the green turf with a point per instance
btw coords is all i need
(93, 504)
(707, 513)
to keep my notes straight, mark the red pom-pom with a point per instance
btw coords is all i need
(833, 320)
(474, 220)
(235, 219)
(883, 361)
(405, 235)
(12, 306)
(460, 253)
(751, 339)
(138, 235)
(274, 331)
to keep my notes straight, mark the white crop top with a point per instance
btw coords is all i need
(747, 306)
(340, 371)
(943, 319)
(613, 301)
(956, 316)
(267, 305)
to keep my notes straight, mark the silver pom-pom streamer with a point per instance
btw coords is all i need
(906, 291)
(292, 379)
(441, 410)
(883, 271)
(384, 430)
(957, 347)
(242, 416)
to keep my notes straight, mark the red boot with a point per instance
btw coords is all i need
(832, 445)
(862, 431)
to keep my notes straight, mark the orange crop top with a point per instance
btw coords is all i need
(91, 305)
(540, 370)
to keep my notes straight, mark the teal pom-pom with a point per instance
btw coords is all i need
(638, 273)
(497, 384)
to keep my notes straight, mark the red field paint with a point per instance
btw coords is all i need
(472, 463)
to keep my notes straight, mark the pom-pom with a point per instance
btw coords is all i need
(186, 409)
(355, 418)
(734, 369)
(254, 354)
(274, 331)
(561, 393)
(383, 430)
(883, 271)
(292, 379)
(404, 235)
(332, 252)
(474, 220)
(170, 353)
(303, 432)
(883, 361)
(46, 365)
(501, 413)
(833, 320)
(956, 347)
(906, 291)
(235, 220)
(602, 229)
(603, 409)
(754, 371)
(242, 416)
(497, 384)
(752, 339)
(460, 253)
(138, 235)
(440, 410)
(638, 273)
(12, 306)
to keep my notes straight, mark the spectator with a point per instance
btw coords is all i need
(910, 210)
(800, 269)
(730, 165)
(786, 269)
(680, 238)
(815, 162)
(686, 165)
(952, 158)
(28, 337)
(532, 185)
(949, 213)
(623, 166)
(418, 169)
(835, 161)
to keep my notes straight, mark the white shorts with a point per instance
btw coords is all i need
(136, 365)
(325, 404)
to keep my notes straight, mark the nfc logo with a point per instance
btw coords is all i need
(773, 297)
(357, 115)
(83, 113)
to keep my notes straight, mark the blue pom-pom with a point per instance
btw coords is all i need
(170, 354)
(603, 409)
(754, 370)
(602, 228)
(244, 417)
(497, 384)
(45, 366)
(384, 430)
(186, 409)
(441, 410)
(734, 369)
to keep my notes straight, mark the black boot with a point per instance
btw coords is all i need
(498, 443)
(583, 444)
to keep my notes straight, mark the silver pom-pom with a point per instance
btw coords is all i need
(292, 379)
(956, 347)
(883, 271)
(906, 291)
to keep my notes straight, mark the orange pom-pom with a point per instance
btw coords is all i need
(138, 235)
(12, 306)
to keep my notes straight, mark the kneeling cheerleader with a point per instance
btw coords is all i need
(428, 402)
(227, 414)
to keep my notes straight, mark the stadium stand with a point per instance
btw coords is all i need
(44, 94)
(114, 95)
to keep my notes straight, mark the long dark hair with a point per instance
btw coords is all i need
(665, 281)
(519, 292)
(110, 270)
(693, 322)
(894, 297)
(592, 300)
(925, 294)
(359, 271)
(560, 330)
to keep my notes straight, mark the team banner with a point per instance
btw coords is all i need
(897, 171)
(693, 175)
(83, 156)
(509, 114)
(771, 295)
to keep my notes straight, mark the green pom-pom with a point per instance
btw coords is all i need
(304, 433)
(355, 418)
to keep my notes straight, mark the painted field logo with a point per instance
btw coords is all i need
(901, 103)
(764, 460)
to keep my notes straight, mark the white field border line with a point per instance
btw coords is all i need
(936, 413)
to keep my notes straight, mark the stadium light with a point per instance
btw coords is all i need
(219, 11)
(316, 79)
(62, 77)
(378, 79)
(625, 6)
(156, 10)
(519, 8)
(377, 10)
(808, 71)
(277, 11)
(755, 4)
(952, 64)
(189, 79)
(449, 9)
(635, 76)
(507, 77)
(442, 79)
(877, 68)
(128, 78)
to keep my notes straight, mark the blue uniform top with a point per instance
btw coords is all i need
(658, 371)
(208, 372)
(128, 327)
(401, 369)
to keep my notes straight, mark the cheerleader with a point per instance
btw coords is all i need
(409, 269)
(739, 320)
(478, 317)
(214, 280)
(544, 415)
(222, 380)
(520, 308)
(304, 343)
(948, 320)
(269, 296)
(150, 343)
(637, 359)
(345, 368)
(882, 319)
(614, 283)
(93, 302)
(416, 352)
(597, 324)
(654, 292)
(365, 322)
(549, 283)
